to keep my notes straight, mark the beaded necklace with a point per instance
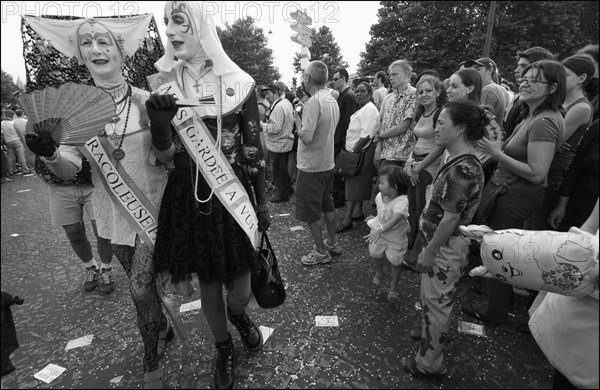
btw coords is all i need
(217, 148)
(119, 153)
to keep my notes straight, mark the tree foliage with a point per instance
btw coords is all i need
(246, 45)
(324, 48)
(8, 87)
(440, 35)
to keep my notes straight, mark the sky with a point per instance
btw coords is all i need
(349, 21)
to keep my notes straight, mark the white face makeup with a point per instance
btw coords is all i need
(180, 31)
(99, 51)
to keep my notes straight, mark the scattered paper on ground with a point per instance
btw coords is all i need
(294, 228)
(284, 215)
(24, 190)
(49, 373)
(14, 235)
(28, 174)
(116, 379)
(80, 342)
(418, 306)
(195, 305)
(470, 328)
(327, 321)
(266, 332)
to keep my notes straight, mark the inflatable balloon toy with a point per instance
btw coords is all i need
(538, 260)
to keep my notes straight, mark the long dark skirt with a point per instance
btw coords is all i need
(358, 188)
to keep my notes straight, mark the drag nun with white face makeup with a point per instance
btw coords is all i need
(123, 148)
(214, 203)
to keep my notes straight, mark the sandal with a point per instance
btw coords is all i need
(393, 296)
(410, 366)
(164, 336)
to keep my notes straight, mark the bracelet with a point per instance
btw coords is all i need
(262, 208)
(54, 161)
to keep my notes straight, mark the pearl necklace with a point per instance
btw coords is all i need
(217, 148)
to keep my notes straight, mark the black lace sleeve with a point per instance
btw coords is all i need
(251, 146)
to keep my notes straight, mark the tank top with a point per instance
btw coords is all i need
(562, 160)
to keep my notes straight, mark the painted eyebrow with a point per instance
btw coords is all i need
(97, 35)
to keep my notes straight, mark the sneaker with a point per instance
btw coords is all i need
(106, 284)
(314, 258)
(334, 249)
(91, 279)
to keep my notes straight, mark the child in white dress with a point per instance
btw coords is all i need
(390, 228)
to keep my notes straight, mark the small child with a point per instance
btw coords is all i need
(389, 229)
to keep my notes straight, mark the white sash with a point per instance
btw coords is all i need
(213, 164)
(129, 199)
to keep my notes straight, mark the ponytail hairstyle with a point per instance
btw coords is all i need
(583, 64)
(470, 76)
(473, 115)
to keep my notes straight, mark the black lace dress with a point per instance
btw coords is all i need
(188, 238)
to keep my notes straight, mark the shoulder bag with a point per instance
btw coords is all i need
(267, 285)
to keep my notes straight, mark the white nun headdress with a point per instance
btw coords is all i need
(128, 32)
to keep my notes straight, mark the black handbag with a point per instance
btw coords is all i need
(348, 163)
(266, 283)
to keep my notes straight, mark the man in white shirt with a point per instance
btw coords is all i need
(380, 91)
(278, 127)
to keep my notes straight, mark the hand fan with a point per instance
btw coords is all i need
(72, 113)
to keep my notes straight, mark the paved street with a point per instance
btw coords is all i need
(363, 352)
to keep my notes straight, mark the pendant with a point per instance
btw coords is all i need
(118, 154)
(114, 119)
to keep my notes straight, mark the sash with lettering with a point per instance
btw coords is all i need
(200, 145)
(133, 204)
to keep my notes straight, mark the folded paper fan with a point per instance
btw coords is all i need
(72, 113)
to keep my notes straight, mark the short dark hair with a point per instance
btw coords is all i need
(536, 53)
(343, 73)
(397, 178)
(583, 64)
(381, 76)
(471, 114)
(18, 112)
(470, 76)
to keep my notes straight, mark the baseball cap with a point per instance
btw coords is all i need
(484, 61)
